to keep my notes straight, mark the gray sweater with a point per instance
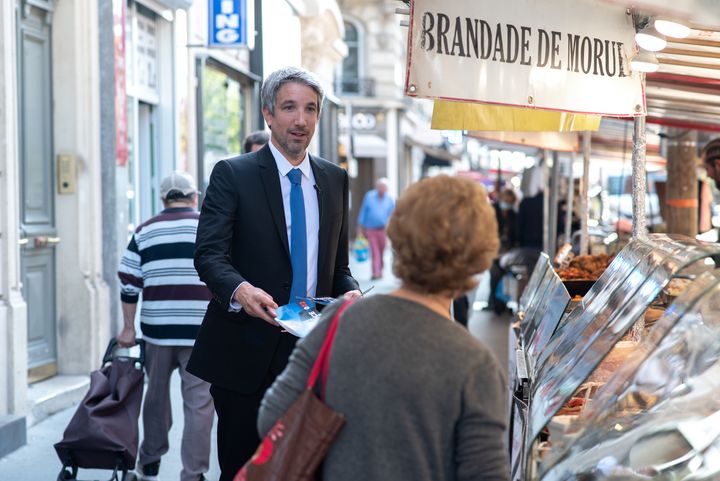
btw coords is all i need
(423, 399)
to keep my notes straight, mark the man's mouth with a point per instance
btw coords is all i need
(298, 134)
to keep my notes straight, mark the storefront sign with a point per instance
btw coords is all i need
(366, 120)
(363, 132)
(121, 115)
(144, 80)
(229, 23)
(570, 55)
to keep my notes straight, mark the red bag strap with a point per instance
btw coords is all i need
(322, 363)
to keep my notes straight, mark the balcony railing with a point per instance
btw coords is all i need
(363, 87)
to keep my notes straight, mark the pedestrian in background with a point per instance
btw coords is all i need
(255, 141)
(273, 228)
(711, 156)
(374, 215)
(158, 264)
(711, 162)
(422, 399)
(506, 219)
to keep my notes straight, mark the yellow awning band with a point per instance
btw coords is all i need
(471, 116)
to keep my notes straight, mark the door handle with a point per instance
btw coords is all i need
(43, 241)
(23, 241)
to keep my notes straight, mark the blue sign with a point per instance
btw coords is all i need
(227, 23)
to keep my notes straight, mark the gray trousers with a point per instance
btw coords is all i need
(198, 411)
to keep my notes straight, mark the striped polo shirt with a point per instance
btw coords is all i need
(158, 263)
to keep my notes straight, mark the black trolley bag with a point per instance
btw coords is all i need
(103, 432)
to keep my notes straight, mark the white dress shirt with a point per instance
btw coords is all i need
(312, 215)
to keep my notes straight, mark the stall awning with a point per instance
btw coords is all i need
(365, 145)
(169, 4)
(559, 141)
(476, 116)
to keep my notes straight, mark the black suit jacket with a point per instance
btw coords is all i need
(242, 236)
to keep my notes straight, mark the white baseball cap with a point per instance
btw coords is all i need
(178, 182)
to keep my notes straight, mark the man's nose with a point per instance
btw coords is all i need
(301, 119)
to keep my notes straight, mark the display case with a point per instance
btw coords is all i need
(518, 379)
(658, 417)
(570, 357)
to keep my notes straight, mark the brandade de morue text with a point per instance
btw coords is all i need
(504, 42)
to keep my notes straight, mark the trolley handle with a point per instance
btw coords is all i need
(113, 344)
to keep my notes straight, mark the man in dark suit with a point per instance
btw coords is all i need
(273, 227)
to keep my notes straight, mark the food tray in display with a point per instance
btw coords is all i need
(578, 287)
(614, 278)
(618, 279)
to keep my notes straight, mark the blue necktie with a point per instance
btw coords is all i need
(298, 237)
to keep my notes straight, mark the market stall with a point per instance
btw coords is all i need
(618, 381)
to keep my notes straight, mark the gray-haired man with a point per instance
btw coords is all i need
(273, 228)
(158, 265)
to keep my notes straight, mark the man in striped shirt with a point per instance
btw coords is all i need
(158, 264)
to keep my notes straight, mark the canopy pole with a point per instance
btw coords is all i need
(570, 199)
(553, 218)
(584, 194)
(639, 179)
(546, 202)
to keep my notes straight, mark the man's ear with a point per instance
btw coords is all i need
(267, 116)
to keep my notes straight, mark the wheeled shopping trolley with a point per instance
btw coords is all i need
(103, 433)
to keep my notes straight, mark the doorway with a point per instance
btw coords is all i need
(148, 182)
(38, 234)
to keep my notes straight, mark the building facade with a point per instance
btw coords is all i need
(98, 101)
(377, 122)
(54, 316)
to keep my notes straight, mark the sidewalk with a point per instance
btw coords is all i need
(37, 461)
(362, 272)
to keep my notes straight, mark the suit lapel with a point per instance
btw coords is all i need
(271, 182)
(323, 187)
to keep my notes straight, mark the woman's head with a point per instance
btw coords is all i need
(443, 232)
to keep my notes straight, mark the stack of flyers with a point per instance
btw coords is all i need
(298, 318)
(323, 301)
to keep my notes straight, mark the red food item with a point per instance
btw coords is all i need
(572, 407)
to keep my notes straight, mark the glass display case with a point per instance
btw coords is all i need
(570, 358)
(658, 417)
(518, 382)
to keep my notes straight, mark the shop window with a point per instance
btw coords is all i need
(224, 111)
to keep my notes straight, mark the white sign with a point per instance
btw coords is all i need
(569, 55)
